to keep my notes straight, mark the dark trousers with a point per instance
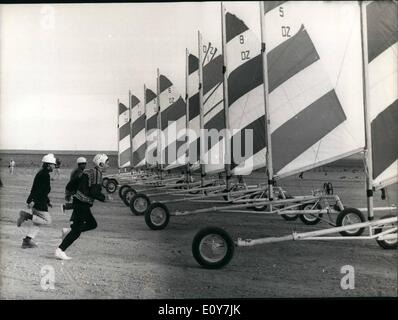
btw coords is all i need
(82, 220)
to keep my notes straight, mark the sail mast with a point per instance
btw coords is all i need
(146, 144)
(227, 157)
(159, 146)
(270, 171)
(368, 138)
(186, 114)
(201, 123)
(118, 136)
(130, 133)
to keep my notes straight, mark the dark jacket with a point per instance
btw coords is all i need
(76, 173)
(40, 190)
(73, 183)
(89, 187)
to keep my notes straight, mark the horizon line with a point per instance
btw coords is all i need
(40, 151)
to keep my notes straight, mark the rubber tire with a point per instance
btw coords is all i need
(148, 220)
(179, 182)
(125, 200)
(336, 207)
(123, 189)
(232, 189)
(196, 244)
(310, 222)
(285, 216)
(105, 182)
(132, 208)
(225, 197)
(383, 243)
(111, 186)
(255, 196)
(194, 192)
(341, 216)
(206, 192)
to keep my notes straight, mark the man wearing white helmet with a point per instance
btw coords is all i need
(39, 196)
(88, 189)
(70, 189)
(57, 171)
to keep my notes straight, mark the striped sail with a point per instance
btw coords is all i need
(151, 125)
(173, 124)
(138, 132)
(193, 112)
(245, 97)
(124, 143)
(382, 39)
(315, 83)
(213, 108)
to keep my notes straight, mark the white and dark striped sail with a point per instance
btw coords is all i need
(124, 143)
(245, 97)
(382, 39)
(173, 124)
(138, 132)
(151, 125)
(315, 83)
(193, 112)
(213, 108)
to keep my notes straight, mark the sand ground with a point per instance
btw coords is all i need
(123, 258)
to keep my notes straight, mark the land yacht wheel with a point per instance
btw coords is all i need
(213, 248)
(139, 204)
(350, 216)
(157, 216)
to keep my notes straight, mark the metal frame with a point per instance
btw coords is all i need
(371, 224)
(318, 234)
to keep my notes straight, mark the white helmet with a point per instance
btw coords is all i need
(81, 160)
(49, 158)
(99, 159)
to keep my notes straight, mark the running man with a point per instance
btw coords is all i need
(89, 189)
(77, 173)
(39, 197)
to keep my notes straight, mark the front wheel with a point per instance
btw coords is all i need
(105, 182)
(180, 184)
(350, 216)
(387, 243)
(157, 216)
(122, 190)
(139, 204)
(260, 207)
(111, 186)
(310, 218)
(212, 248)
(128, 196)
(287, 216)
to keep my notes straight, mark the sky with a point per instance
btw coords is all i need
(63, 66)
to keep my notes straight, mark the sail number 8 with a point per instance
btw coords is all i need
(244, 55)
